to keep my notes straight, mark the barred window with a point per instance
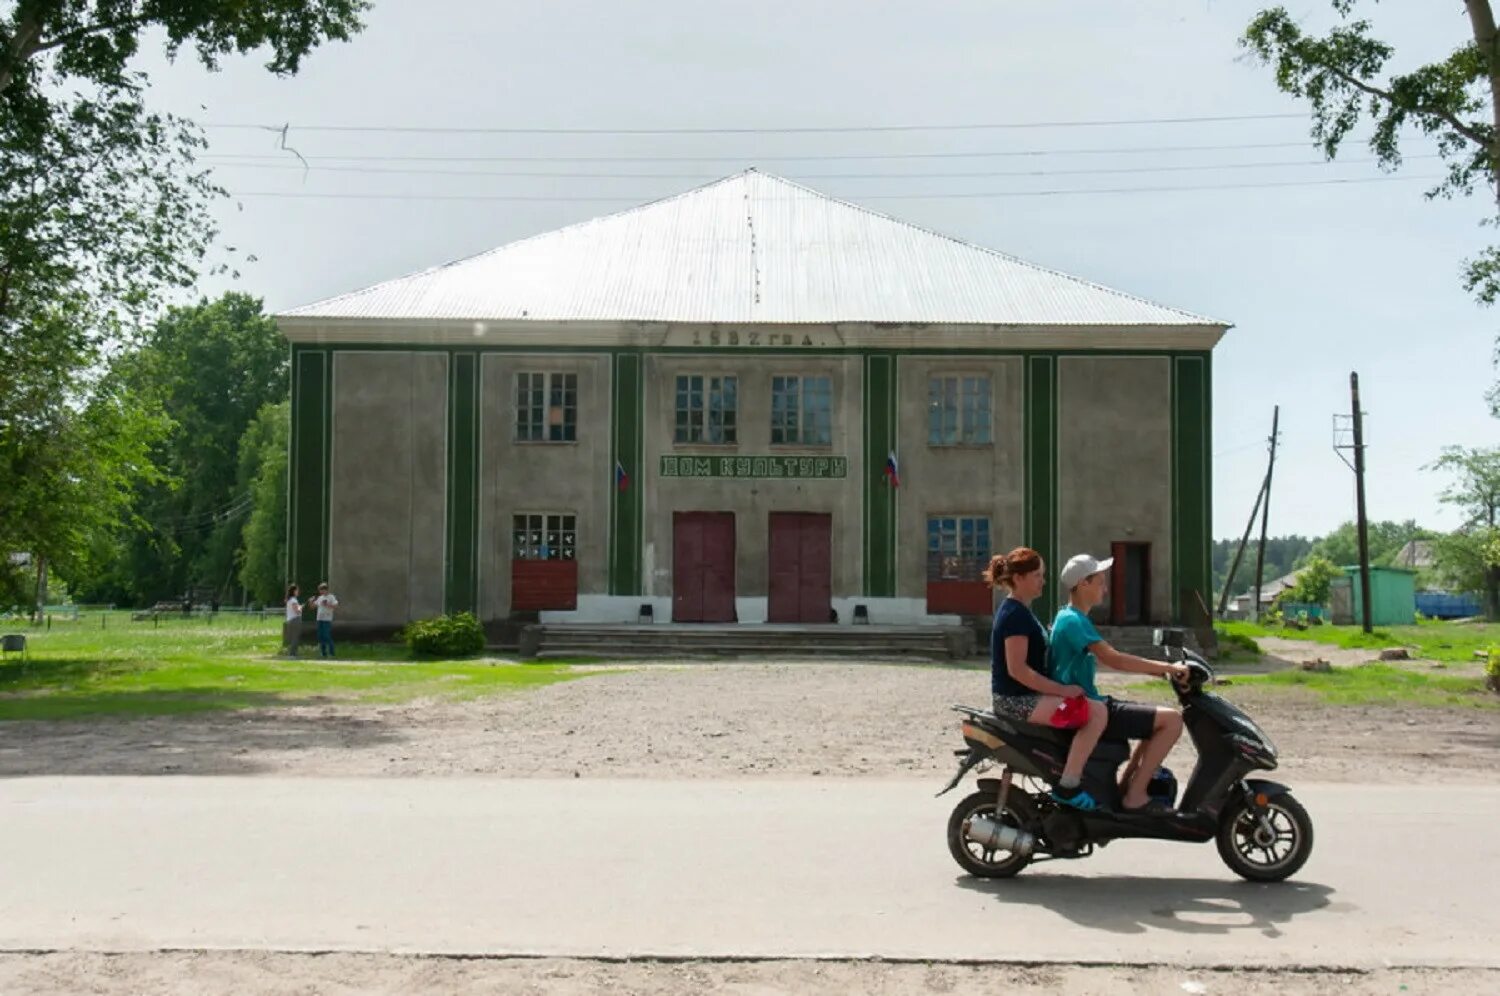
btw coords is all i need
(958, 411)
(958, 547)
(802, 410)
(544, 536)
(546, 407)
(707, 409)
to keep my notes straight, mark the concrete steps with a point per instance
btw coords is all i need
(746, 641)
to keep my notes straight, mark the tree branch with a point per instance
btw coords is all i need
(1466, 130)
(83, 32)
(20, 49)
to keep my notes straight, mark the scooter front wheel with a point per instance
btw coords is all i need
(972, 856)
(1265, 844)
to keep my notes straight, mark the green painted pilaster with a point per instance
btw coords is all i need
(1192, 576)
(461, 582)
(1041, 473)
(627, 420)
(307, 497)
(879, 497)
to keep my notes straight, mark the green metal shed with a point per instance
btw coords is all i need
(1393, 597)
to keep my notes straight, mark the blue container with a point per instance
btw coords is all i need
(1446, 605)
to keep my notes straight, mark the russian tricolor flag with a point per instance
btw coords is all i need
(892, 471)
(622, 479)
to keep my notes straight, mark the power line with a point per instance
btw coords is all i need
(569, 199)
(975, 174)
(817, 157)
(787, 130)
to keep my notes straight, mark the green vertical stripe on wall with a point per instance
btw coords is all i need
(879, 496)
(1191, 525)
(1041, 472)
(461, 580)
(307, 526)
(627, 450)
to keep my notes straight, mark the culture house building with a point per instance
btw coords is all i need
(749, 403)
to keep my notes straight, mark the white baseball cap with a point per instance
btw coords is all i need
(1082, 567)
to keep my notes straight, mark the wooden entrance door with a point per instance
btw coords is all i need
(703, 567)
(1130, 584)
(801, 567)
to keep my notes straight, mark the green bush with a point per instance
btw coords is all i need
(458, 635)
(1233, 645)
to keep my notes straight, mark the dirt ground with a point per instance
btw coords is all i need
(708, 721)
(179, 974)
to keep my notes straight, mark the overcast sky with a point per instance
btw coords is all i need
(1318, 280)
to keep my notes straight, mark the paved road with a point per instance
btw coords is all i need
(709, 868)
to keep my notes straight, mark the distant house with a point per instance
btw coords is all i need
(1239, 605)
(1416, 555)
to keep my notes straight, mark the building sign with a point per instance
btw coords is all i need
(817, 467)
(753, 338)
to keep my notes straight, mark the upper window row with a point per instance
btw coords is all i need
(706, 409)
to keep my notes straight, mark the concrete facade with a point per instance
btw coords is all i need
(387, 485)
(517, 477)
(752, 500)
(1114, 459)
(967, 480)
(1099, 443)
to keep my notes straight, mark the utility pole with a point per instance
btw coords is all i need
(1359, 500)
(1239, 551)
(1356, 423)
(1265, 515)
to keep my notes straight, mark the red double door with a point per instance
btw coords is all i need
(801, 567)
(800, 561)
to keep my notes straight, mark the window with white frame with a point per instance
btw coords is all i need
(801, 410)
(958, 411)
(546, 407)
(707, 409)
(958, 547)
(544, 536)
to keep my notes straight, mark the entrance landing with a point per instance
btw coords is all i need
(750, 640)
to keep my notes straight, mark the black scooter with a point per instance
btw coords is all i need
(1263, 833)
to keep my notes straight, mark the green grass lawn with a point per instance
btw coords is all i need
(1362, 685)
(179, 666)
(1380, 684)
(1438, 641)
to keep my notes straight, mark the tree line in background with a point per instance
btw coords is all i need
(205, 515)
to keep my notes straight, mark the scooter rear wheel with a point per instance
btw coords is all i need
(1268, 851)
(970, 855)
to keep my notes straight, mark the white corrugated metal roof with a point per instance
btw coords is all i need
(749, 248)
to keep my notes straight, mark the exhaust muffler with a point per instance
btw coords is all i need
(993, 835)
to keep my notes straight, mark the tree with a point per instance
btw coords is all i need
(102, 202)
(263, 464)
(1454, 101)
(94, 40)
(1469, 557)
(1386, 540)
(72, 479)
(213, 366)
(1314, 582)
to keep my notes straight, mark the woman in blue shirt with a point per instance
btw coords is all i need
(1018, 667)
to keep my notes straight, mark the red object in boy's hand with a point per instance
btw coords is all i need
(1071, 714)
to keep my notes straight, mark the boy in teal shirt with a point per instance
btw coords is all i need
(1076, 651)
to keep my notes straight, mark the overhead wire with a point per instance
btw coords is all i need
(284, 127)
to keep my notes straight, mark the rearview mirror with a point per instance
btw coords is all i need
(1167, 637)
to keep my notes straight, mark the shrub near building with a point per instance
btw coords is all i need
(457, 635)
